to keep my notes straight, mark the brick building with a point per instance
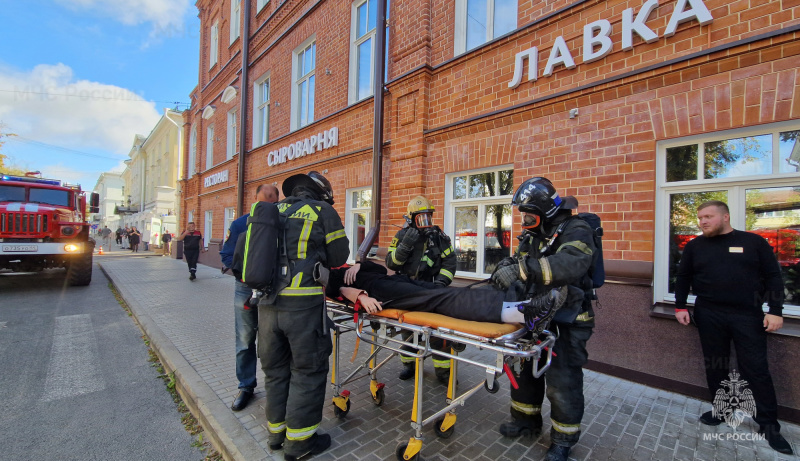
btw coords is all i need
(638, 108)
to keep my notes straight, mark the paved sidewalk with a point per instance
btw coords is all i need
(190, 325)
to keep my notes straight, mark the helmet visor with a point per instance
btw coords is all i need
(423, 220)
(530, 220)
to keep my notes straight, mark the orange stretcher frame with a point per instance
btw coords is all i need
(381, 331)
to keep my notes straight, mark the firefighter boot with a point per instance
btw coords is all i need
(319, 443)
(557, 453)
(407, 372)
(442, 374)
(518, 427)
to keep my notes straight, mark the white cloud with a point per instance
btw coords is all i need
(165, 15)
(49, 105)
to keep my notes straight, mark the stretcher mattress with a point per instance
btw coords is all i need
(395, 314)
(484, 329)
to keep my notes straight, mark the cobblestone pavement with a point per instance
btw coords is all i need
(623, 420)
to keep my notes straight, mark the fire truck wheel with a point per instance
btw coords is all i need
(79, 272)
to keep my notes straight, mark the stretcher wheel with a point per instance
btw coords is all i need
(339, 413)
(443, 434)
(458, 347)
(400, 451)
(492, 390)
(378, 398)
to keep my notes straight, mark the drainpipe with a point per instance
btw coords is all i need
(243, 108)
(377, 134)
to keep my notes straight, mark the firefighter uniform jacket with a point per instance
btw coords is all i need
(314, 233)
(566, 261)
(432, 260)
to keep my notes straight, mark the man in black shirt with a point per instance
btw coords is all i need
(191, 248)
(732, 273)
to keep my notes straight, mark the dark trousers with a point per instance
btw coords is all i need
(717, 330)
(564, 386)
(191, 258)
(294, 347)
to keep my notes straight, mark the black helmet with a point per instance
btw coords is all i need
(314, 181)
(537, 195)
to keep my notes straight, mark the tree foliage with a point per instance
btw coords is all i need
(5, 167)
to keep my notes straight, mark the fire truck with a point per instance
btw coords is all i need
(43, 226)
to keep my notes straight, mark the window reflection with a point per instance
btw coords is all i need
(466, 238)
(789, 142)
(746, 156)
(497, 236)
(683, 225)
(774, 213)
(682, 163)
(460, 187)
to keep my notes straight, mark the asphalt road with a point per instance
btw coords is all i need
(75, 382)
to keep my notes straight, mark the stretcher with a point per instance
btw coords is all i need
(510, 343)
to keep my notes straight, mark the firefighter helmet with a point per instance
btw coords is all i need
(538, 196)
(314, 181)
(420, 210)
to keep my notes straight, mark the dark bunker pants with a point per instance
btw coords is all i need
(564, 384)
(717, 329)
(294, 347)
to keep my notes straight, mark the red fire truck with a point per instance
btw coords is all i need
(43, 225)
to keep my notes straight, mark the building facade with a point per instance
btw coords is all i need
(640, 109)
(151, 200)
(110, 187)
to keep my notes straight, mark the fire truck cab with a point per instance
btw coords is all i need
(43, 224)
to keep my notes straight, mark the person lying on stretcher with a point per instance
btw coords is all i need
(370, 285)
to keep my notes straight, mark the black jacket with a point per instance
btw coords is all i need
(432, 260)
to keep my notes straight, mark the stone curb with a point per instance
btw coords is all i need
(227, 434)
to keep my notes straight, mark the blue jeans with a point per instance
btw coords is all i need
(246, 332)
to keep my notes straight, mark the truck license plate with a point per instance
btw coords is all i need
(20, 248)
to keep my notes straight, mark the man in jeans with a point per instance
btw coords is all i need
(246, 317)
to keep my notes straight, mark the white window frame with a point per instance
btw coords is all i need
(230, 217)
(297, 80)
(735, 186)
(482, 203)
(236, 19)
(213, 44)
(461, 25)
(261, 111)
(209, 146)
(260, 4)
(349, 219)
(192, 151)
(355, 42)
(208, 227)
(232, 136)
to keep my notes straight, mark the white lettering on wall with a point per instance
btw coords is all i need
(597, 42)
(308, 146)
(215, 179)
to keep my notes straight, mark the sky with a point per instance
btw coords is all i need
(80, 78)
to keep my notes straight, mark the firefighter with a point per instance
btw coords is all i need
(293, 340)
(422, 252)
(554, 250)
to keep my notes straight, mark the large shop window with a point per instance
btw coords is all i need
(209, 146)
(230, 216)
(357, 219)
(213, 46)
(479, 217)
(479, 21)
(261, 116)
(363, 35)
(230, 149)
(756, 171)
(303, 68)
(208, 227)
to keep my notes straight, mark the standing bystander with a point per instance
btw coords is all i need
(246, 317)
(106, 235)
(191, 248)
(732, 273)
(166, 238)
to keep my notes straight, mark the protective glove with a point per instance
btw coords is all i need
(507, 261)
(406, 246)
(504, 276)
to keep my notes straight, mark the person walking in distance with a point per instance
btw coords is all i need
(732, 274)
(246, 317)
(191, 248)
(134, 237)
(294, 343)
(106, 234)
